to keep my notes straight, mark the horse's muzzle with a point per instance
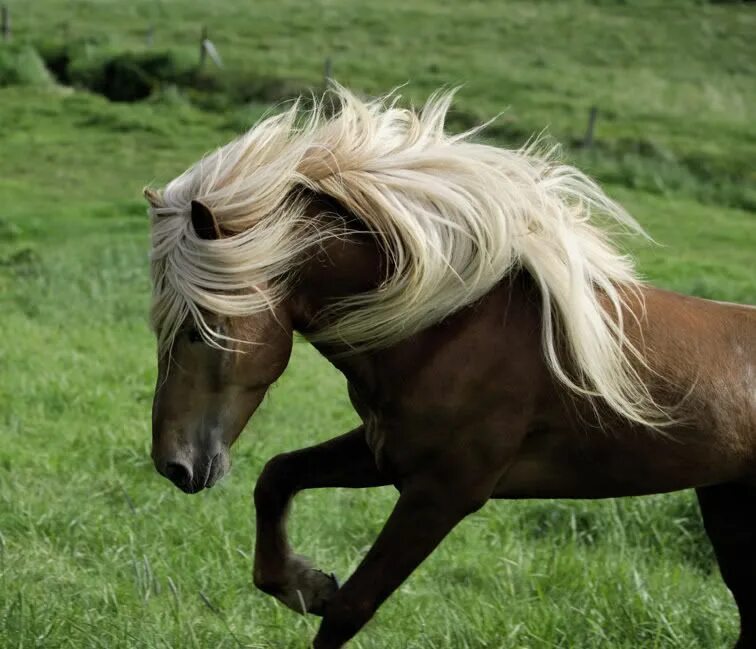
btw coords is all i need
(194, 477)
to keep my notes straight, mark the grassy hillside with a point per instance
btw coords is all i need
(672, 81)
(96, 550)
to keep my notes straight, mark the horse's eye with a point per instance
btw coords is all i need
(194, 335)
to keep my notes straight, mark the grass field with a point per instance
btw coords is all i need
(96, 550)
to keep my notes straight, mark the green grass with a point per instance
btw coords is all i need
(96, 550)
(661, 74)
(23, 66)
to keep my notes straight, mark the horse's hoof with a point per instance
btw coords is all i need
(307, 589)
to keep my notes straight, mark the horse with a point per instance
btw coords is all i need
(496, 340)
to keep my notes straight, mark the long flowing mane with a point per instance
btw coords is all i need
(454, 216)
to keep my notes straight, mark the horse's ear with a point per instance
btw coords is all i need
(152, 197)
(204, 222)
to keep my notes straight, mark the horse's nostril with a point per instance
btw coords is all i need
(178, 473)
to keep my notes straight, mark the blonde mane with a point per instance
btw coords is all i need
(455, 216)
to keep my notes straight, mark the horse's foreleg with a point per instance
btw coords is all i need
(729, 514)
(425, 513)
(345, 461)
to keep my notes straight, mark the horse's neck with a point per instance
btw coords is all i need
(339, 267)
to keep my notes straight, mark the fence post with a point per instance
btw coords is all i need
(5, 22)
(588, 139)
(203, 49)
(327, 72)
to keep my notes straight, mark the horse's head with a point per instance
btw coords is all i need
(206, 392)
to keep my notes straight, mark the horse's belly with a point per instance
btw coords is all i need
(564, 466)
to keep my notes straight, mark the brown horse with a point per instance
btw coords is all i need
(495, 343)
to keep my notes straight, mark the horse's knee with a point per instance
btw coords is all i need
(275, 470)
(273, 486)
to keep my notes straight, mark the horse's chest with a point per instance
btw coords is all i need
(374, 435)
(372, 422)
